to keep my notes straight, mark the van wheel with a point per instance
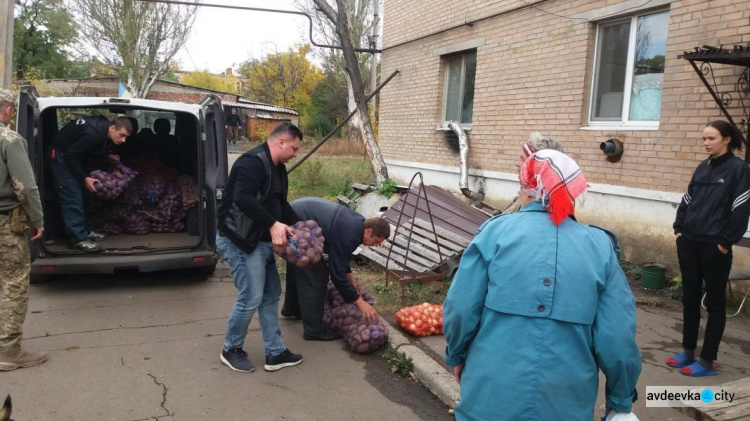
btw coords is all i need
(205, 272)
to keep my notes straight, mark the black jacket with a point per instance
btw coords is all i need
(233, 120)
(85, 144)
(343, 229)
(245, 214)
(715, 207)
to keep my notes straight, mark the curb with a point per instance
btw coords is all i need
(427, 371)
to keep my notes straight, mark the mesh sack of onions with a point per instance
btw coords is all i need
(172, 226)
(135, 223)
(346, 318)
(152, 187)
(171, 205)
(131, 196)
(305, 246)
(189, 191)
(112, 182)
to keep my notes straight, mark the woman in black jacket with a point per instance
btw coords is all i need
(712, 216)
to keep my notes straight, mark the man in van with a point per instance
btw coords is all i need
(253, 217)
(20, 208)
(82, 145)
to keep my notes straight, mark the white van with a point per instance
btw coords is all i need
(198, 144)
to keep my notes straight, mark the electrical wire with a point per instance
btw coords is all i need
(584, 19)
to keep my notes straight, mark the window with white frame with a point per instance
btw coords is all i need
(458, 95)
(629, 71)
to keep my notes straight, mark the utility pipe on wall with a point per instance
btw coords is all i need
(463, 147)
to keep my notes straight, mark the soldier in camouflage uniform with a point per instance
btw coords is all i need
(17, 189)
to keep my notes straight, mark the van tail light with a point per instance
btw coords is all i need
(199, 259)
(48, 268)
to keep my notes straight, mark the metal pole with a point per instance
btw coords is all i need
(351, 114)
(6, 43)
(374, 44)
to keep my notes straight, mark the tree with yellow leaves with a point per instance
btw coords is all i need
(208, 80)
(284, 79)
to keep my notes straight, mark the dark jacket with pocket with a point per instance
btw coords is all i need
(85, 144)
(715, 207)
(250, 207)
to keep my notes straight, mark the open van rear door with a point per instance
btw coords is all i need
(27, 126)
(215, 158)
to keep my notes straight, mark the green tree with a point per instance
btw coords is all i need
(285, 79)
(139, 39)
(44, 31)
(208, 80)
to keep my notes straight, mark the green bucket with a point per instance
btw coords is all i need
(652, 275)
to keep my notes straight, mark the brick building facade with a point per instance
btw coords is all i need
(581, 71)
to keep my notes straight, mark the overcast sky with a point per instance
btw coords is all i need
(223, 38)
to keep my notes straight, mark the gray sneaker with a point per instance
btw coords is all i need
(88, 246)
(237, 360)
(285, 359)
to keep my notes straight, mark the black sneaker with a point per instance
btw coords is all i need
(325, 335)
(237, 360)
(285, 359)
(289, 314)
(96, 236)
(88, 246)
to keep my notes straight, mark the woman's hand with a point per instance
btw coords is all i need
(457, 372)
(722, 249)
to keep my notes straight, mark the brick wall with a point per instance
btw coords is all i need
(534, 72)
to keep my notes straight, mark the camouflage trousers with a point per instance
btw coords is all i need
(15, 265)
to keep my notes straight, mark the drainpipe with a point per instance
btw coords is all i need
(463, 146)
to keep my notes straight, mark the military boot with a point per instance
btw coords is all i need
(19, 358)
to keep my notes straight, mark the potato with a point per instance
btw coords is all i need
(303, 261)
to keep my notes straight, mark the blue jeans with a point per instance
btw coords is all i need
(71, 199)
(259, 288)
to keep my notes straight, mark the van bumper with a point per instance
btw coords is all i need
(102, 263)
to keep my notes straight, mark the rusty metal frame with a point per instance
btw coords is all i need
(405, 276)
(738, 55)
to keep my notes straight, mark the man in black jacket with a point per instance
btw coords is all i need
(344, 230)
(79, 147)
(252, 216)
(233, 126)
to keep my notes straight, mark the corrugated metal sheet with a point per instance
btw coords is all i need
(258, 106)
(448, 212)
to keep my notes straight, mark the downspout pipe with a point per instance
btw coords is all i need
(463, 147)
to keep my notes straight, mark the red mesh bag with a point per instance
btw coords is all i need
(421, 320)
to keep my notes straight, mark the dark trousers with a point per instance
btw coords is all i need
(305, 295)
(70, 193)
(699, 263)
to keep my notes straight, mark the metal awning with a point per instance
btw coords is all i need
(702, 60)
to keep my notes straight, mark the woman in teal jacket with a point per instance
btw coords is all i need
(538, 306)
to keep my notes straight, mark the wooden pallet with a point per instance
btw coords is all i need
(738, 409)
(425, 255)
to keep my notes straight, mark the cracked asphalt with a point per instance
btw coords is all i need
(147, 347)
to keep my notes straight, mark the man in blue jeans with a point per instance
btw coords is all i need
(252, 218)
(78, 147)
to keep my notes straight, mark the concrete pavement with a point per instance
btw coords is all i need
(659, 334)
(147, 348)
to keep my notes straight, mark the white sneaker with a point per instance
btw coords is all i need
(88, 246)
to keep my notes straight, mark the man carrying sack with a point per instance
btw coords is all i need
(20, 208)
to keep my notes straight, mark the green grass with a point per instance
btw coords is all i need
(397, 361)
(327, 178)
